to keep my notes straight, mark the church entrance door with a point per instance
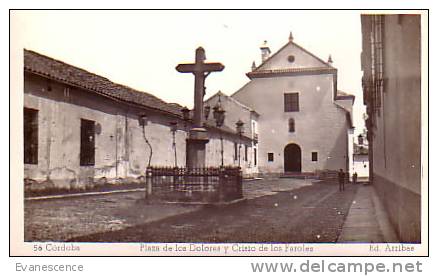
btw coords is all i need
(292, 158)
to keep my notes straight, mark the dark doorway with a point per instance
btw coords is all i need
(292, 158)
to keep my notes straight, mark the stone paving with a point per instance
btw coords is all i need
(311, 214)
(257, 188)
(367, 221)
(63, 219)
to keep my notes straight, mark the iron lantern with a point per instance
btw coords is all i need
(239, 127)
(142, 119)
(186, 113)
(206, 111)
(173, 126)
(219, 113)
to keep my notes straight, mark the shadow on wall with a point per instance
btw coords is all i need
(403, 207)
(341, 158)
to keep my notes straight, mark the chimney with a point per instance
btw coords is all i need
(265, 51)
(330, 60)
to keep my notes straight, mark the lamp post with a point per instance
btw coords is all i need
(239, 130)
(143, 121)
(173, 128)
(186, 117)
(219, 116)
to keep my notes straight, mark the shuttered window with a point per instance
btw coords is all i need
(87, 154)
(30, 127)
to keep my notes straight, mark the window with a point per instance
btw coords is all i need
(87, 143)
(314, 156)
(291, 102)
(291, 58)
(377, 62)
(255, 156)
(30, 127)
(235, 151)
(270, 157)
(246, 152)
(291, 125)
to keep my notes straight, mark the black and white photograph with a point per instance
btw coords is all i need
(219, 132)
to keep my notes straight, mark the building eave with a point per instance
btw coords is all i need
(349, 97)
(341, 95)
(291, 72)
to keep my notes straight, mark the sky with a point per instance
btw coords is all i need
(140, 49)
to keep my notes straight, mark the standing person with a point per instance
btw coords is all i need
(354, 177)
(341, 178)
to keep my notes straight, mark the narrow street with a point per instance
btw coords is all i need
(284, 210)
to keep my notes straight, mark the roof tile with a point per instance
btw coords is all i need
(63, 72)
(66, 73)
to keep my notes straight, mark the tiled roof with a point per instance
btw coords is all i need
(57, 70)
(60, 71)
(220, 93)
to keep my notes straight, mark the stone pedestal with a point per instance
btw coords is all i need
(196, 142)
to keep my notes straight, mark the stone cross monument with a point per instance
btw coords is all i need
(198, 134)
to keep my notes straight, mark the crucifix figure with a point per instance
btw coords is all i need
(198, 135)
(201, 70)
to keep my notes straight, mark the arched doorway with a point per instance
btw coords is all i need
(292, 158)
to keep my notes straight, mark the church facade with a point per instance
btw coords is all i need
(304, 119)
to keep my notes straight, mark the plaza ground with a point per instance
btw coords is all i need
(277, 210)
